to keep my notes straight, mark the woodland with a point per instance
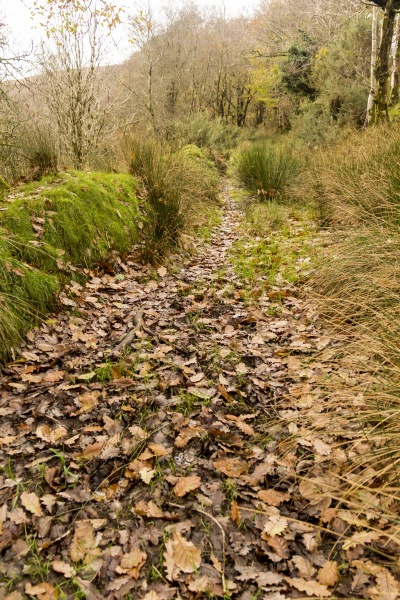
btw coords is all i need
(200, 303)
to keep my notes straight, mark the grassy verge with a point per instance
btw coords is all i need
(54, 230)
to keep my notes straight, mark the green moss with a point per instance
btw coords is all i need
(78, 218)
(86, 216)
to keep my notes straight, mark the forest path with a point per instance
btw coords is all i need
(174, 470)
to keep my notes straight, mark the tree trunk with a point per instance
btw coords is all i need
(374, 53)
(395, 95)
(382, 69)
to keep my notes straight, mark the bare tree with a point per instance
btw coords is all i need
(72, 84)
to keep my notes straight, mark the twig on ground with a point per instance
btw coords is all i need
(137, 320)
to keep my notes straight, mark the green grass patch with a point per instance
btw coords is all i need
(53, 230)
(280, 251)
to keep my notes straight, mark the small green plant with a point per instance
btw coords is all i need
(231, 490)
(67, 473)
(38, 567)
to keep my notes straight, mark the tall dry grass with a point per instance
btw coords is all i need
(356, 185)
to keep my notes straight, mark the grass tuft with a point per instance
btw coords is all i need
(268, 170)
(176, 187)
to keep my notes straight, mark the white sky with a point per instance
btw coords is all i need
(17, 16)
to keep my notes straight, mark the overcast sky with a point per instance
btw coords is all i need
(17, 17)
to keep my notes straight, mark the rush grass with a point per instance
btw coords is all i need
(178, 186)
(268, 170)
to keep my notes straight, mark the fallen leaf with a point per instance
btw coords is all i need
(53, 376)
(321, 447)
(88, 402)
(31, 503)
(50, 435)
(386, 588)
(152, 595)
(224, 393)
(311, 588)
(162, 271)
(361, 537)
(14, 596)
(231, 467)
(196, 378)
(64, 568)
(147, 475)
(84, 545)
(235, 512)
(304, 567)
(186, 485)
(280, 546)
(271, 497)
(329, 574)
(158, 450)
(42, 591)
(137, 432)
(274, 526)
(180, 555)
(18, 516)
(132, 563)
(247, 429)
(148, 509)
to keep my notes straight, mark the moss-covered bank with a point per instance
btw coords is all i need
(56, 229)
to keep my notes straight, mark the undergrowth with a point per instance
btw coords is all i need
(278, 253)
(356, 187)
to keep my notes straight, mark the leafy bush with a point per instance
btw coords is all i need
(267, 169)
(175, 185)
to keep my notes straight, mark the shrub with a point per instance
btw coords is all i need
(267, 169)
(175, 185)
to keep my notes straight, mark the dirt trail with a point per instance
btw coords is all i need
(172, 471)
